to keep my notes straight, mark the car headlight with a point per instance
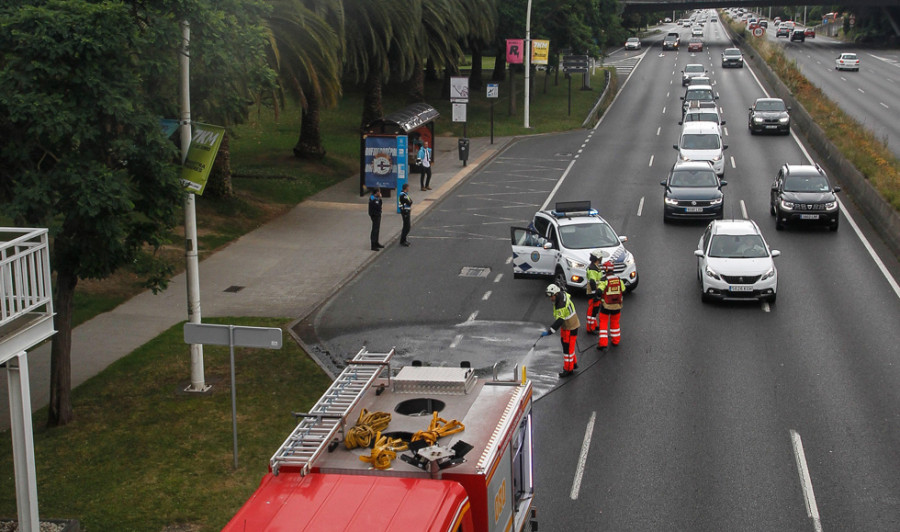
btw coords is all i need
(710, 273)
(717, 158)
(769, 274)
(784, 119)
(671, 201)
(716, 201)
(787, 205)
(629, 259)
(683, 157)
(831, 205)
(575, 264)
(757, 120)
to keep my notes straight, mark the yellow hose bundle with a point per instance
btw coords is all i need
(438, 428)
(384, 451)
(367, 427)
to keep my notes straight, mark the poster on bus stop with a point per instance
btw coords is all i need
(386, 159)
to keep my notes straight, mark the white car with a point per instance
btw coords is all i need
(633, 43)
(701, 141)
(558, 244)
(847, 61)
(734, 262)
(697, 31)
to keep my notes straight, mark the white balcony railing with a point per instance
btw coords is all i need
(24, 275)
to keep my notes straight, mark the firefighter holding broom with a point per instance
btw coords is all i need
(566, 322)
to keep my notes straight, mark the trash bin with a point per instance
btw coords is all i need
(464, 150)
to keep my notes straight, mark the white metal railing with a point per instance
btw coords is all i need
(24, 273)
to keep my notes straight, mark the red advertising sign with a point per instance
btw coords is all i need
(515, 51)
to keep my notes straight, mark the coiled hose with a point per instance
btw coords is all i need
(438, 428)
(367, 428)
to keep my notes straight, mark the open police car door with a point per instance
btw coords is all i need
(532, 254)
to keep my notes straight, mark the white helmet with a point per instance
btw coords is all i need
(552, 289)
(597, 254)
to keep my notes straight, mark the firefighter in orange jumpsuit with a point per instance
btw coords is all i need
(611, 290)
(566, 322)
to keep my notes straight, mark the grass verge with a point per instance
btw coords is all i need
(143, 456)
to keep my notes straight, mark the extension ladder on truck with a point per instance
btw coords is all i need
(318, 427)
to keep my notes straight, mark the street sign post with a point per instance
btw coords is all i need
(232, 335)
(493, 92)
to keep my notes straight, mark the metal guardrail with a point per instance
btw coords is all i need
(24, 273)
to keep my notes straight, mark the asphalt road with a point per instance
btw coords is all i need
(708, 417)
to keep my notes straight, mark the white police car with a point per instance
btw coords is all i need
(558, 244)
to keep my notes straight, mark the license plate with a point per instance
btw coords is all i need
(771, 127)
(693, 209)
(809, 216)
(740, 288)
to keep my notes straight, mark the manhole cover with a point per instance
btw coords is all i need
(234, 288)
(473, 271)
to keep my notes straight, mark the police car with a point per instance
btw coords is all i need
(558, 244)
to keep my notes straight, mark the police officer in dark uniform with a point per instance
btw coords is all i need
(375, 215)
(405, 211)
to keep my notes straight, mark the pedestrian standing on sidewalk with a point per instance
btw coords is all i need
(375, 215)
(566, 322)
(405, 211)
(611, 290)
(424, 159)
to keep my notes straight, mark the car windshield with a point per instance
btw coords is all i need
(588, 236)
(693, 178)
(732, 52)
(632, 39)
(701, 117)
(851, 57)
(770, 105)
(737, 247)
(694, 69)
(703, 141)
(699, 94)
(806, 184)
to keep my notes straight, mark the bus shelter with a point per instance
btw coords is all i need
(388, 147)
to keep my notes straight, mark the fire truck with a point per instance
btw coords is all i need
(481, 479)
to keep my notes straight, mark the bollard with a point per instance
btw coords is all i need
(464, 150)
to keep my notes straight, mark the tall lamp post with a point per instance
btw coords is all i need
(527, 62)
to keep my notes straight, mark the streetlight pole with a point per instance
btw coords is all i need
(192, 269)
(527, 62)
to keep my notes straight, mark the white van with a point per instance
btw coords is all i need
(701, 141)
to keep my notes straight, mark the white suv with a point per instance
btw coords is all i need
(558, 244)
(735, 262)
(702, 141)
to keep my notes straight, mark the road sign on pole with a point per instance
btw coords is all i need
(575, 63)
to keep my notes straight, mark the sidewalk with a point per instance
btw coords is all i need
(286, 268)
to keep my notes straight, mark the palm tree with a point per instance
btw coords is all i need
(304, 42)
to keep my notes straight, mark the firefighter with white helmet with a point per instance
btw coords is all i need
(594, 276)
(611, 290)
(566, 322)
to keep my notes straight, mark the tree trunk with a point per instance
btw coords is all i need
(499, 65)
(219, 183)
(372, 102)
(430, 70)
(309, 145)
(416, 93)
(60, 412)
(476, 77)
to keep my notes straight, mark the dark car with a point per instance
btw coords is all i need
(732, 57)
(697, 93)
(769, 114)
(798, 35)
(693, 191)
(802, 194)
(671, 41)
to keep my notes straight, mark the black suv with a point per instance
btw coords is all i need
(802, 193)
(671, 41)
(799, 34)
(769, 114)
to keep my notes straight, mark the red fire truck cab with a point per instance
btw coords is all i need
(480, 480)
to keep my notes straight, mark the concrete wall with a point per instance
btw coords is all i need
(883, 217)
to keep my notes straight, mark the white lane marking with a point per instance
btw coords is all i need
(725, 129)
(486, 296)
(508, 260)
(456, 341)
(843, 78)
(651, 161)
(809, 497)
(743, 209)
(732, 162)
(766, 307)
(559, 183)
(582, 458)
(472, 316)
(499, 276)
(640, 206)
(664, 109)
(860, 90)
(884, 105)
(660, 128)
